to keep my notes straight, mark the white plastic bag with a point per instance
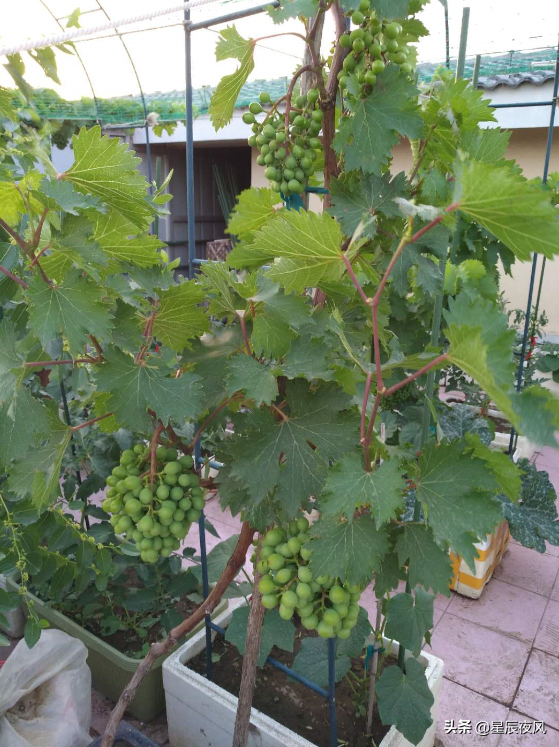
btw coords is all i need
(45, 694)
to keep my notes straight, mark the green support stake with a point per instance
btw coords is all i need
(461, 63)
(475, 74)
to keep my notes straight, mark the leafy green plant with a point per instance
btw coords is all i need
(300, 343)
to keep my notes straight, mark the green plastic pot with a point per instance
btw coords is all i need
(111, 670)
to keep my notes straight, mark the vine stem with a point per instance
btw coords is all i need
(289, 95)
(234, 564)
(152, 455)
(208, 420)
(90, 422)
(374, 665)
(364, 406)
(37, 234)
(13, 277)
(244, 332)
(35, 259)
(435, 362)
(421, 154)
(350, 271)
(15, 236)
(250, 660)
(67, 362)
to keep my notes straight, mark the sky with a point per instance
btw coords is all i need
(157, 46)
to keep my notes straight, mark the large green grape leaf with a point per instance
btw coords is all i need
(457, 491)
(230, 45)
(306, 359)
(306, 248)
(271, 337)
(460, 419)
(21, 416)
(179, 316)
(352, 551)
(221, 290)
(518, 213)
(354, 645)
(58, 195)
(405, 700)
(9, 359)
(312, 662)
(486, 145)
(108, 169)
(120, 240)
(292, 454)
(244, 373)
(428, 564)
(409, 618)
(254, 208)
(275, 632)
(74, 246)
(73, 309)
(541, 429)
(293, 9)
(389, 9)
(533, 520)
(38, 474)
(355, 199)
(366, 137)
(135, 388)
(11, 203)
(349, 487)
(7, 109)
(505, 471)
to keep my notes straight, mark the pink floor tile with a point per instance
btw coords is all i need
(552, 550)
(528, 569)
(442, 602)
(214, 511)
(503, 608)
(548, 457)
(555, 591)
(550, 739)
(537, 694)
(457, 703)
(485, 661)
(553, 473)
(547, 638)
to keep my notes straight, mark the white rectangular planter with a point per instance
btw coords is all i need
(202, 714)
(15, 618)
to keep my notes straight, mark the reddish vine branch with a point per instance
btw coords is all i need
(90, 422)
(208, 420)
(66, 362)
(15, 236)
(13, 277)
(152, 453)
(161, 648)
(244, 332)
(289, 95)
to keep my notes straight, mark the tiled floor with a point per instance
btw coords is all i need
(501, 651)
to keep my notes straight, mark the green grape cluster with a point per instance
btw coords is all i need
(323, 603)
(372, 45)
(156, 521)
(289, 154)
(400, 397)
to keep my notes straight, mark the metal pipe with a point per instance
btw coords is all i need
(234, 16)
(332, 692)
(461, 62)
(190, 206)
(519, 104)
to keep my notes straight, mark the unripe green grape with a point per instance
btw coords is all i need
(127, 456)
(120, 473)
(280, 154)
(269, 131)
(348, 623)
(370, 78)
(358, 45)
(286, 613)
(138, 449)
(186, 462)
(376, 26)
(299, 121)
(145, 523)
(304, 610)
(288, 174)
(276, 561)
(343, 633)
(266, 585)
(266, 551)
(172, 468)
(273, 537)
(198, 502)
(353, 611)
(406, 67)
(176, 493)
(283, 576)
(171, 454)
(177, 529)
(248, 118)
(364, 6)
(349, 64)
(355, 597)
(289, 599)
(343, 81)
(400, 58)
(146, 544)
(163, 492)
(315, 143)
(368, 38)
(391, 45)
(312, 95)
(284, 187)
(137, 535)
(300, 101)
(161, 452)
(156, 530)
(300, 175)
(166, 552)
(342, 610)
(107, 504)
(295, 186)
(290, 162)
(305, 574)
(292, 528)
(197, 491)
(324, 630)
(303, 591)
(262, 566)
(310, 622)
(392, 30)
(170, 479)
(168, 541)
(357, 34)
(375, 50)
(255, 107)
(133, 506)
(331, 617)
(280, 136)
(377, 67)
(264, 97)
(269, 601)
(193, 515)
(317, 115)
(293, 545)
(164, 531)
(165, 522)
(284, 550)
(114, 520)
(324, 580)
(357, 18)
(184, 480)
(345, 41)
(305, 553)
(178, 515)
(194, 481)
(261, 160)
(112, 480)
(121, 487)
(151, 556)
(297, 151)
(337, 595)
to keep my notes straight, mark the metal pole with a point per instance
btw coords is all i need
(190, 206)
(461, 62)
(232, 16)
(520, 373)
(447, 36)
(332, 692)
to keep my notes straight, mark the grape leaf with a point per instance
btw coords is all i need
(367, 137)
(518, 213)
(349, 487)
(306, 359)
(247, 374)
(278, 453)
(9, 359)
(7, 109)
(285, 307)
(541, 429)
(72, 308)
(306, 247)
(179, 316)
(409, 618)
(230, 45)
(135, 388)
(59, 195)
(120, 240)
(488, 145)
(427, 563)
(271, 337)
(405, 700)
(501, 465)
(390, 9)
(351, 551)
(108, 169)
(533, 519)
(355, 199)
(353, 646)
(460, 419)
(312, 662)
(254, 208)
(21, 417)
(457, 492)
(221, 290)
(275, 632)
(11, 203)
(293, 9)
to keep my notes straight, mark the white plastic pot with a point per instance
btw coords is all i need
(202, 714)
(15, 618)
